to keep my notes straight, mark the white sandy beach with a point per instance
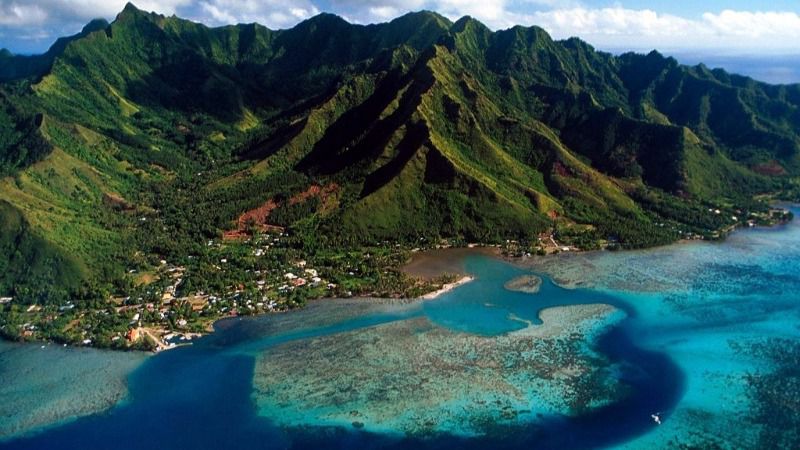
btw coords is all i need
(447, 288)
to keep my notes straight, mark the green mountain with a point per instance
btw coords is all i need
(21, 66)
(144, 138)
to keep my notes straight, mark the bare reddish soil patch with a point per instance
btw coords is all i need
(771, 168)
(314, 191)
(258, 217)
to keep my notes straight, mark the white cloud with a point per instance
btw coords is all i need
(14, 14)
(272, 13)
(370, 11)
(755, 24)
(554, 4)
(612, 21)
(614, 27)
(367, 4)
(384, 12)
(217, 15)
(619, 27)
(492, 12)
(109, 8)
(32, 25)
(24, 13)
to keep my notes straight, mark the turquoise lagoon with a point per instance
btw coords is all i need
(704, 337)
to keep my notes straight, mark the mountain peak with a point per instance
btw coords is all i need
(421, 19)
(464, 22)
(130, 8)
(132, 11)
(94, 25)
(423, 16)
(326, 17)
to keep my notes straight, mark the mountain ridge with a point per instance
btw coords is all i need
(426, 127)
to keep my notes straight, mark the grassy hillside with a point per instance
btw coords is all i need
(142, 139)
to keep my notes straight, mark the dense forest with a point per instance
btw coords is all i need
(141, 140)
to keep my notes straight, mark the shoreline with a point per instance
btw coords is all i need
(212, 326)
(447, 288)
(423, 270)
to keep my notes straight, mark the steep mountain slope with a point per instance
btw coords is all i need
(141, 139)
(14, 67)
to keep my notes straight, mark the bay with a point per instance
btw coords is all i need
(692, 344)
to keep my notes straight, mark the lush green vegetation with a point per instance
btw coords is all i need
(143, 140)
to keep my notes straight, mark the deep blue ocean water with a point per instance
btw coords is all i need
(697, 346)
(774, 69)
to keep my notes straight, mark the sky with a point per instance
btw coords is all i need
(718, 27)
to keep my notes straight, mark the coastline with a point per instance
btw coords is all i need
(554, 323)
(447, 288)
(427, 265)
(430, 264)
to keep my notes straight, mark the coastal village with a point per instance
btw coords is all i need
(177, 302)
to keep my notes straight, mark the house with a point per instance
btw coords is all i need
(133, 335)
(290, 276)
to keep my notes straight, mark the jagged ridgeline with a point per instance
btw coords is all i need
(143, 138)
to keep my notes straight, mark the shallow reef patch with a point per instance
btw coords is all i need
(47, 385)
(416, 378)
(529, 284)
